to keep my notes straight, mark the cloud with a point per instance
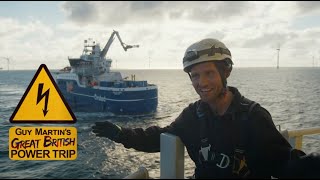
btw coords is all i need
(16, 33)
(216, 11)
(80, 12)
(306, 41)
(28, 44)
(252, 30)
(11, 28)
(269, 40)
(308, 6)
(116, 13)
(145, 6)
(110, 13)
(216, 34)
(196, 19)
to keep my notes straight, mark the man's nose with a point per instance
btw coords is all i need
(203, 81)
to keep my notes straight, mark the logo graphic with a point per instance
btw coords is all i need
(43, 143)
(42, 102)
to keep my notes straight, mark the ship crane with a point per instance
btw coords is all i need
(107, 46)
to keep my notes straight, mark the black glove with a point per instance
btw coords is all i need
(107, 129)
(304, 167)
(296, 154)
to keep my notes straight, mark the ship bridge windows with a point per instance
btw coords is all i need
(106, 84)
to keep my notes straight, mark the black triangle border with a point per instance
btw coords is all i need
(26, 93)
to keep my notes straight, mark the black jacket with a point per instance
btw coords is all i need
(266, 151)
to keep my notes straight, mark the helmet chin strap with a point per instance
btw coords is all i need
(189, 75)
(223, 92)
(224, 83)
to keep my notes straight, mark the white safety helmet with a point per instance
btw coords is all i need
(206, 50)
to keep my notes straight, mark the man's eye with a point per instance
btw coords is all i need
(194, 76)
(210, 74)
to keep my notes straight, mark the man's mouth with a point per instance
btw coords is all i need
(205, 91)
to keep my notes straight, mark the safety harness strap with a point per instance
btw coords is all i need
(240, 128)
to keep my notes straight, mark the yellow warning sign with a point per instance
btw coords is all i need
(43, 143)
(42, 102)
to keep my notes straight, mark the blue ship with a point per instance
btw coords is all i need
(88, 85)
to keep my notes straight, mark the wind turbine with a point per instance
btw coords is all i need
(278, 56)
(312, 61)
(8, 60)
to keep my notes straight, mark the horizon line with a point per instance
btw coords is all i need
(112, 69)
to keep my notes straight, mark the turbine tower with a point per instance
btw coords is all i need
(312, 61)
(278, 56)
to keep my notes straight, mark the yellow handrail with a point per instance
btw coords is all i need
(176, 149)
(306, 131)
(297, 135)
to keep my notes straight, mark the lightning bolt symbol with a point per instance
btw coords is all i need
(41, 96)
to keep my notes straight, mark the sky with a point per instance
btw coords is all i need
(35, 33)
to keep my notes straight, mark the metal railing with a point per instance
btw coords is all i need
(171, 157)
(172, 153)
(295, 136)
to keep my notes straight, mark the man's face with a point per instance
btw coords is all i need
(206, 81)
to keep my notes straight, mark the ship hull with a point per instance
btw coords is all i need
(142, 100)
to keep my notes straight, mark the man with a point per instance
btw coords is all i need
(226, 135)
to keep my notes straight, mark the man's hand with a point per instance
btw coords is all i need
(107, 129)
